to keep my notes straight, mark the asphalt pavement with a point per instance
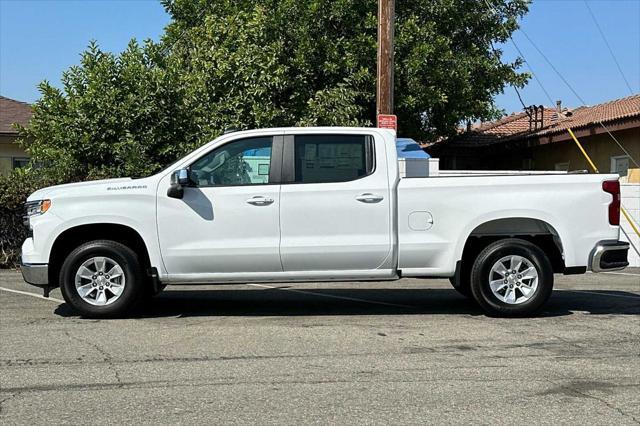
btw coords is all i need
(406, 352)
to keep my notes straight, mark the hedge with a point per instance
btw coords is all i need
(14, 190)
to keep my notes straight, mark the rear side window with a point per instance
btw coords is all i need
(332, 158)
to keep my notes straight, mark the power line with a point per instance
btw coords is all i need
(531, 70)
(495, 12)
(495, 52)
(579, 97)
(559, 74)
(619, 144)
(595, 21)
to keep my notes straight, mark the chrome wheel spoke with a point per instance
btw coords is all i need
(529, 273)
(114, 272)
(84, 290)
(526, 291)
(515, 263)
(510, 295)
(500, 269)
(497, 285)
(99, 263)
(85, 272)
(115, 290)
(101, 299)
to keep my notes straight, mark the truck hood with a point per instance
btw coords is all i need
(57, 190)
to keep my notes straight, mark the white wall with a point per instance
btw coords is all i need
(631, 202)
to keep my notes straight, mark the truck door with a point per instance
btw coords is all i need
(228, 220)
(335, 204)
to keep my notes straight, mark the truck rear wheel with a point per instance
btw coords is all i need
(102, 279)
(511, 277)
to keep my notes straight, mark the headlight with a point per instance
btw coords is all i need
(34, 208)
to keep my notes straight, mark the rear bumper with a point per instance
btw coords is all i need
(609, 256)
(35, 274)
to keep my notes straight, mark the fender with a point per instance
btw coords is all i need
(143, 230)
(553, 222)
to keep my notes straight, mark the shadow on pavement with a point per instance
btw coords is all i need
(303, 301)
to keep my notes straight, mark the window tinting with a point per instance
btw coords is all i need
(242, 162)
(332, 158)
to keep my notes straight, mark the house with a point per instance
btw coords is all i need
(538, 139)
(11, 155)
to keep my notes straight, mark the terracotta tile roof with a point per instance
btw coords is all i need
(12, 111)
(628, 107)
(507, 127)
(516, 126)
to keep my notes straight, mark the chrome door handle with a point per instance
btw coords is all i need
(259, 200)
(369, 198)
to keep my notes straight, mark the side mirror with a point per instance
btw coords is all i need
(179, 179)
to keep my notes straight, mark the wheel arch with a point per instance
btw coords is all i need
(73, 236)
(533, 229)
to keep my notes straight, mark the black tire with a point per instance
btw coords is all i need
(480, 277)
(127, 259)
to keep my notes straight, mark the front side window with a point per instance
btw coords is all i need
(332, 158)
(242, 162)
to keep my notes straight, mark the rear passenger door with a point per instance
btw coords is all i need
(334, 203)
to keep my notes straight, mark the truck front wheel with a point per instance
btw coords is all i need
(511, 277)
(102, 279)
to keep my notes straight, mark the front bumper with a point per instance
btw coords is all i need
(609, 256)
(35, 274)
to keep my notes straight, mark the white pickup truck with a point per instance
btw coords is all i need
(317, 204)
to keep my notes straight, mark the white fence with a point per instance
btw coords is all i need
(631, 202)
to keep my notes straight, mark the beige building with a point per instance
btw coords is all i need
(11, 155)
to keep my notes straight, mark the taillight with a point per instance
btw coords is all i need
(613, 188)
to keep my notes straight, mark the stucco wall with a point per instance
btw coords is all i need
(599, 147)
(8, 150)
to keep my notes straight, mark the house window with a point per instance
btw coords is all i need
(20, 162)
(562, 167)
(528, 164)
(620, 165)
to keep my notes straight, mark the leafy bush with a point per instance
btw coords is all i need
(14, 190)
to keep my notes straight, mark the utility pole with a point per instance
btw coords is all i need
(384, 88)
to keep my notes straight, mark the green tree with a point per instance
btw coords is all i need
(116, 115)
(289, 62)
(260, 63)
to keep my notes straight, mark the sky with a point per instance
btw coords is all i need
(39, 39)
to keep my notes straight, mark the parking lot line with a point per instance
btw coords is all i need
(623, 273)
(352, 299)
(599, 293)
(37, 296)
